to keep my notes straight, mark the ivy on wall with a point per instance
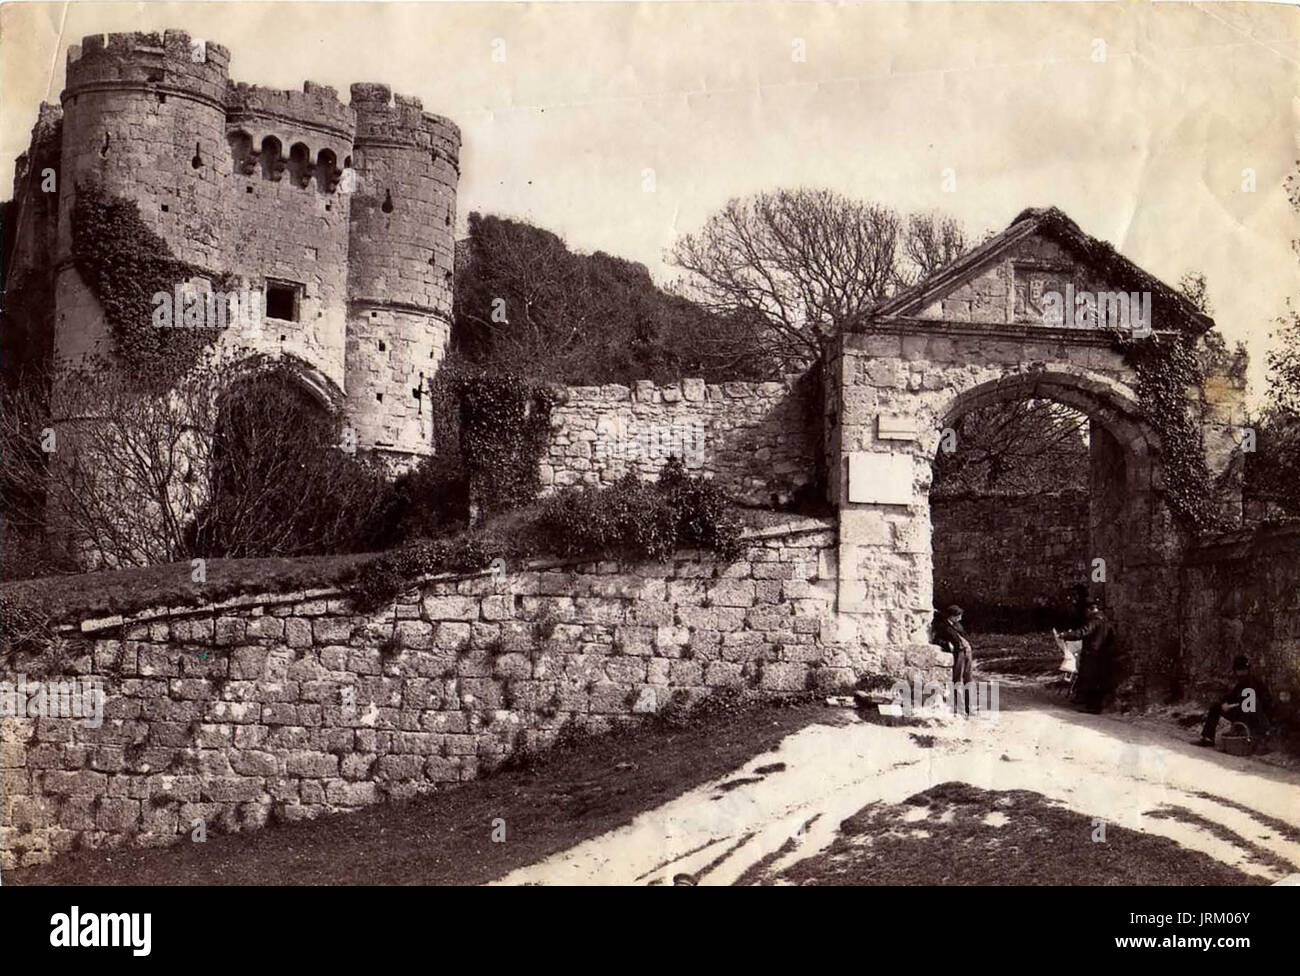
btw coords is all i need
(124, 263)
(504, 427)
(1167, 367)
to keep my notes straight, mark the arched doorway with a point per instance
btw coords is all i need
(1120, 539)
(272, 428)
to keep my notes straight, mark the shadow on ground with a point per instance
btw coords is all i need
(958, 834)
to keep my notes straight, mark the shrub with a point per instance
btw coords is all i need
(426, 501)
(636, 520)
(504, 426)
(379, 580)
(628, 519)
(284, 488)
(24, 626)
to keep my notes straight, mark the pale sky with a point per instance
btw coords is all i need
(1145, 148)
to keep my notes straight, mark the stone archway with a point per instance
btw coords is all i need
(1133, 548)
(973, 334)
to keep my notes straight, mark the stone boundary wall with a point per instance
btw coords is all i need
(1009, 558)
(1241, 595)
(238, 713)
(759, 440)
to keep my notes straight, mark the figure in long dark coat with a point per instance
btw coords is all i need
(1095, 662)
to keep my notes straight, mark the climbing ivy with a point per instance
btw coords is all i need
(1167, 367)
(504, 427)
(125, 264)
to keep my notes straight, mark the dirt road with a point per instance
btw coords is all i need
(777, 819)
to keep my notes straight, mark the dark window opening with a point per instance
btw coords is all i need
(379, 397)
(248, 189)
(164, 208)
(381, 345)
(282, 300)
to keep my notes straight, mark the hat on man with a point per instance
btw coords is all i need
(952, 611)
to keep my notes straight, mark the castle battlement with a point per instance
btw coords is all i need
(315, 107)
(383, 117)
(173, 62)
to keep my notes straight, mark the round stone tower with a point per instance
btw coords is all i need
(145, 117)
(401, 244)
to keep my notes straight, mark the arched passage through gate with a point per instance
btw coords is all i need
(1130, 543)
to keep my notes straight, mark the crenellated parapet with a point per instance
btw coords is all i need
(173, 63)
(316, 107)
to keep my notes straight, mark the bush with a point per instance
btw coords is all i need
(505, 423)
(424, 502)
(378, 581)
(635, 520)
(283, 488)
(628, 520)
(25, 626)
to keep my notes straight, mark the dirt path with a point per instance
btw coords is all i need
(784, 808)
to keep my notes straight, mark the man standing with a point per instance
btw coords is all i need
(1245, 703)
(1094, 666)
(950, 636)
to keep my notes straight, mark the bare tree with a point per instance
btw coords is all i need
(116, 472)
(228, 461)
(1019, 445)
(797, 267)
(279, 485)
(931, 242)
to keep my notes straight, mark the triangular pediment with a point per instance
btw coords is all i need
(1043, 271)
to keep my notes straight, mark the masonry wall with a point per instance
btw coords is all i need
(759, 440)
(1241, 595)
(1009, 559)
(236, 714)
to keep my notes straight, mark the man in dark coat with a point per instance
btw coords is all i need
(1245, 703)
(1095, 661)
(950, 636)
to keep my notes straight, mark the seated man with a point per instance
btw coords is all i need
(1245, 703)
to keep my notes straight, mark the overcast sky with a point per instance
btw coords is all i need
(1145, 148)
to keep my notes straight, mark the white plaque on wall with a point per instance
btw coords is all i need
(880, 479)
(896, 427)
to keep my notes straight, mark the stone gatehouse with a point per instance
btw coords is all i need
(339, 217)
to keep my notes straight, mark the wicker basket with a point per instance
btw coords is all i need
(1237, 741)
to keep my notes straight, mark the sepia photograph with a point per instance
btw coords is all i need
(651, 444)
